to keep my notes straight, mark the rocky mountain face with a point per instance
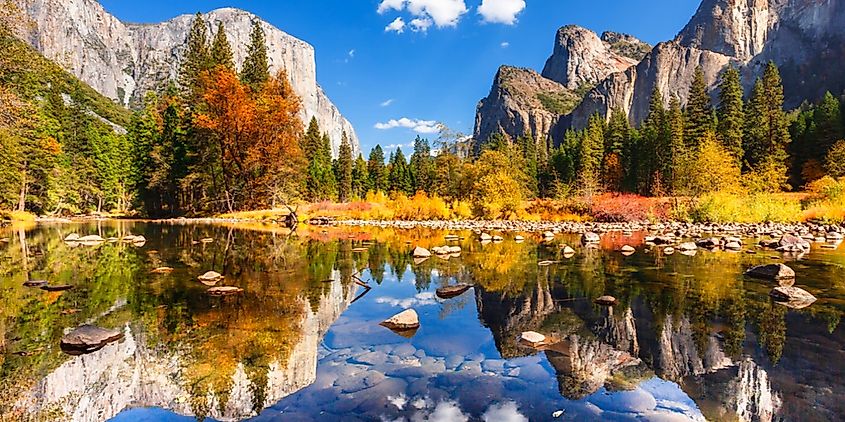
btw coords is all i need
(522, 101)
(123, 61)
(803, 37)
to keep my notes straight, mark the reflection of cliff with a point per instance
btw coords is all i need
(583, 364)
(137, 372)
(677, 355)
(507, 316)
(618, 331)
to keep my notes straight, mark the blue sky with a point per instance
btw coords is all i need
(375, 75)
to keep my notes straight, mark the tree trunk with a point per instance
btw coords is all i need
(22, 198)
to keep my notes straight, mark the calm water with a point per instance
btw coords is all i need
(691, 338)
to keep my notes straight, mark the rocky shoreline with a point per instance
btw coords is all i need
(675, 229)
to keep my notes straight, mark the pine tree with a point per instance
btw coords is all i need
(221, 50)
(651, 154)
(421, 165)
(777, 123)
(731, 114)
(343, 169)
(827, 122)
(197, 58)
(528, 149)
(591, 154)
(756, 128)
(400, 174)
(312, 141)
(256, 70)
(320, 179)
(677, 156)
(376, 169)
(360, 178)
(699, 113)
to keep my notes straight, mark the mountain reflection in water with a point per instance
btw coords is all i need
(690, 337)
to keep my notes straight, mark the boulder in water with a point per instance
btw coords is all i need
(793, 297)
(606, 300)
(790, 243)
(88, 338)
(35, 283)
(771, 272)
(224, 291)
(449, 292)
(590, 237)
(405, 320)
(420, 252)
(163, 270)
(532, 338)
(90, 238)
(73, 237)
(210, 278)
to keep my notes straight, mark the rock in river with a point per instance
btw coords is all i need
(590, 237)
(420, 252)
(405, 320)
(210, 278)
(793, 297)
(606, 300)
(163, 270)
(224, 291)
(532, 338)
(35, 283)
(771, 272)
(449, 292)
(88, 338)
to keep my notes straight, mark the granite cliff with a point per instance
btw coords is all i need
(123, 61)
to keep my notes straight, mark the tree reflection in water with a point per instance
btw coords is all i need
(694, 321)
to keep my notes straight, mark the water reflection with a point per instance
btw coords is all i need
(690, 337)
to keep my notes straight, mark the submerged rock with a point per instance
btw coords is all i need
(790, 243)
(771, 272)
(88, 338)
(90, 238)
(163, 270)
(687, 246)
(793, 297)
(56, 288)
(224, 291)
(35, 283)
(606, 300)
(405, 320)
(449, 292)
(73, 237)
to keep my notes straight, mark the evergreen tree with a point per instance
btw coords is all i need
(256, 69)
(777, 122)
(591, 154)
(767, 132)
(756, 129)
(360, 178)
(731, 114)
(651, 151)
(827, 123)
(528, 148)
(376, 170)
(343, 170)
(197, 58)
(320, 179)
(699, 114)
(312, 141)
(421, 165)
(677, 156)
(221, 50)
(400, 174)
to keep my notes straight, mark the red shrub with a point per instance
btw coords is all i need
(626, 207)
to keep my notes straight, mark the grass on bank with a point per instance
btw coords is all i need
(17, 216)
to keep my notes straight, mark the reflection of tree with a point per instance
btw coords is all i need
(771, 329)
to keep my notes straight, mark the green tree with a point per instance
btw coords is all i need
(320, 181)
(256, 69)
(343, 169)
(591, 154)
(699, 113)
(400, 179)
(197, 58)
(767, 132)
(835, 160)
(731, 113)
(676, 155)
(528, 148)
(360, 178)
(376, 170)
(221, 50)
(421, 165)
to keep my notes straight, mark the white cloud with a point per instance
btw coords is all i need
(417, 125)
(421, 24)
(351, 53)
(441, 13)
(501, 11)
(397, 146)
(387, 102)
(387, 5)
(397, 26)
(505, 44)
(504, 412)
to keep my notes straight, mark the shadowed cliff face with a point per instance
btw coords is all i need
(125, 61)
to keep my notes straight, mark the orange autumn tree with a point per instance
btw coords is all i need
(257, 138)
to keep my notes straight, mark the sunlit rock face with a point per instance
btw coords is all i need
(800, 36)
(124, 61)
(619, 331)
(679, 357)
(136, 373)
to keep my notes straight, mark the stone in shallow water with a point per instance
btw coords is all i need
(370, 358)
(532, 338)
(210, 278)
(420, 252)
(88, 338)
(793, 297)
(449, 292)
(405, 320)
(606, 300)
(404, 350)
(224, 291)
(771, 272)
(35, 283)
